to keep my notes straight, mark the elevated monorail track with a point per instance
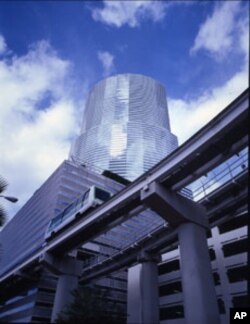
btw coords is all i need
(221, 138)
(165, 238)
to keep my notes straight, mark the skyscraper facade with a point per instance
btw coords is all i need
(23, 236)
(125, 126)
(126, 130)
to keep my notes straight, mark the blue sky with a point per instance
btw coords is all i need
(53, 52)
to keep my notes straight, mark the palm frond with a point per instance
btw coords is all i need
(3, 184)
(2, 216)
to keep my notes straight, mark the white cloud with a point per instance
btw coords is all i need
(243, 28)
(119, 13)
(34, 139)
(3, 46)
(217, 34)
(107, 61)
(189, 116)
(221, 33)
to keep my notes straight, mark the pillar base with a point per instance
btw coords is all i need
(143, 300)
(67, 282)
(200, 301)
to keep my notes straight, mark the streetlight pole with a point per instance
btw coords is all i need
(12, 199)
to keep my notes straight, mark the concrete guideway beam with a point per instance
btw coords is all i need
(172, 207)
(223, 128)
(200, 302)
(58, 266)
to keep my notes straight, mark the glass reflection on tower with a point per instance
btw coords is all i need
(125, 126)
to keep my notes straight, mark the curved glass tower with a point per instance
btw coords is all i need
(125, 126)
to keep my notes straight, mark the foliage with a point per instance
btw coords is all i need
(3, 185)
(90, 305)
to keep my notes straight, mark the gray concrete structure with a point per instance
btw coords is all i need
(200, 155)
(200, 302)
(173, 171)
(190, 218)
(143, 305)
(172, 207)
(70, 270)
(34, 296)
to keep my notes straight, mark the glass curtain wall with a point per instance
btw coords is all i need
(125, 126)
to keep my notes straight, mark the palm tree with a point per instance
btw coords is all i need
(3, 186)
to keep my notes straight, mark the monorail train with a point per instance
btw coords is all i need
(91, 198)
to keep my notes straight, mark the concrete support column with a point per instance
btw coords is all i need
(143, 300)
(222, 270)
(67, 282)
(65, 285)
(200, 302)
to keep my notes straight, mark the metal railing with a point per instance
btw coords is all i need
(90, 166)
(220, 175)
(216, 178)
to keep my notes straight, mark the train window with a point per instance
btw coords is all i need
(68, 211)
(85, 196)
(102, 194)
(80, 205)
(55, 221)
(82, 200)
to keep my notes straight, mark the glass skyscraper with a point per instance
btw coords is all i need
(137, 112)
(125, 126)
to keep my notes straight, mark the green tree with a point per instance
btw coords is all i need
(3, 185)
(90, 305)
